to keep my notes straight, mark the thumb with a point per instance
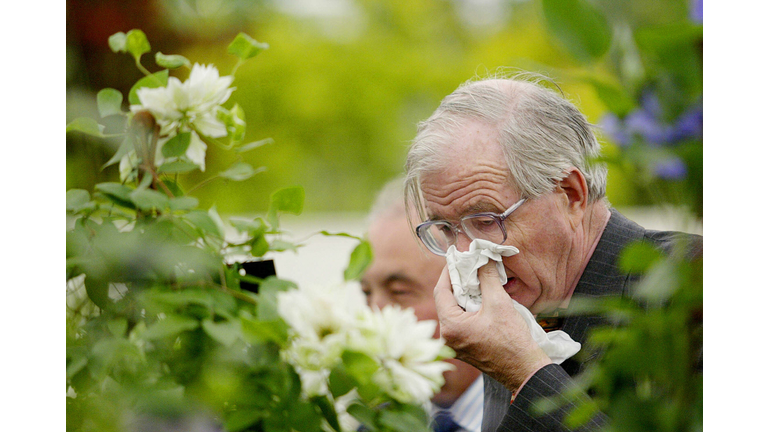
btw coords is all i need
(490, 286)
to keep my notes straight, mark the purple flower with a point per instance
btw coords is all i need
(614, 127)
(690, 125)
(644, 124)
(672, 168)
(647, 124)
(696, 12)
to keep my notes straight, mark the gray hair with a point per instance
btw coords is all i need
(541, 134)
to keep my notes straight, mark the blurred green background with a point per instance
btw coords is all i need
(342, 86)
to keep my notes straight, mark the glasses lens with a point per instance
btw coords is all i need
(437, 236)
(483, 227)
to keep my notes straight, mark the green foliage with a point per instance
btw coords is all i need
(580, 27)
(361, 256)
(245, 47)
(159, 327)
(173, 61)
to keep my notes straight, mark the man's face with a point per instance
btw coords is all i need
(477, 181)
(401, 272)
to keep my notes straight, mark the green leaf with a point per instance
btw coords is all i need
(234, 119)
(157, 79)
(148, 199)
(118, 326)
(282, 245)
(340, 382)
(340, 234)
(177, 167)
(172, 61)
(117, 42)
(125, 147)
(225, 332)
(581, 414)
(87, 126)
(259, 331)
(612, 94)
(177, 146)
(268, 290)
(170, 326)
(109, 102)
(303, 417)
(98, 292)
(358, 261)
(259, 246)
(77, 198)
(253, 228)
(360, 366)
(242, 419)
(203, 221)
(238, 172)
(117, 193)
(403, 421)
(638, 257)
(252, 145)
(363, 414)
(245, 47)
(328, 410)
(287, 200)
(136, 43)
(580, 27)
(173, 187)
(183, 203)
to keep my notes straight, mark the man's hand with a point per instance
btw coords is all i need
(494, 339)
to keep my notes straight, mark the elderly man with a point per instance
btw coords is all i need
(507, 160)
(404, 273)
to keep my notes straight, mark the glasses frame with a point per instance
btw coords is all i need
(456, 229)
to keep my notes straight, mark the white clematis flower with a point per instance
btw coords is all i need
(408, 354)
(190, 106)
(329, 320)
(321, 320)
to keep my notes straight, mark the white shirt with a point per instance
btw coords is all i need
(467, 411)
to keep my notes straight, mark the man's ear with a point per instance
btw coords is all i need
(574, 188)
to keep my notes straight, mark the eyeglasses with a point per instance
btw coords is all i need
(439, 235)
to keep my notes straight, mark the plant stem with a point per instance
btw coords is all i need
(202, 183)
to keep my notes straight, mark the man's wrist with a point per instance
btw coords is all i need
(528, 378)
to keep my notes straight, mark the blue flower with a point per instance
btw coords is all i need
(647, 124)
(614, 127)
(672, 168)
(696, 12)
(690, 125)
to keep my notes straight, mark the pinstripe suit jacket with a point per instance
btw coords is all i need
(601, 277)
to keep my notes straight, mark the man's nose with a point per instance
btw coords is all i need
(462, 242)
(378, 298)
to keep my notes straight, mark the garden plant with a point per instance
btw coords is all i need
(167, 329)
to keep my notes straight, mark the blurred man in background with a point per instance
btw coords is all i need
(404, 273)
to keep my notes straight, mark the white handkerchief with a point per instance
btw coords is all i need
(462, 268)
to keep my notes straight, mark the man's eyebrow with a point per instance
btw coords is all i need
(396, 277)
(480, 207)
